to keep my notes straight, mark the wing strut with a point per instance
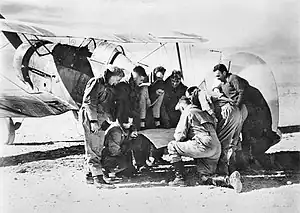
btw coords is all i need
(179, 58)
(229, 66)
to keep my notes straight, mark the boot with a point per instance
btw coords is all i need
(235, 181)
(89, 178)
(179, 174)
(223, 168)
(161, 161)
(101, 183)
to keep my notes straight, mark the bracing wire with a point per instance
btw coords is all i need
(161, 45)
(3, 46)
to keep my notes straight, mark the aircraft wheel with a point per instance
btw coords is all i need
(7, 130)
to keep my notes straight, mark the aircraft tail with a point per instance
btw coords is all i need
(13, 38)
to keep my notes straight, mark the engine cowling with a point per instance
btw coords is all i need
(108, 53)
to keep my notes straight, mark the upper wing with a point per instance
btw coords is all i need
(169, 37)
(20, 27)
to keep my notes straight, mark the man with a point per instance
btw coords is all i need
(131, 97)
(228, 119)
(139, 99)
(121, 143)
(171, 90)
(195, 137)
(156, 93)
(256, 125)
(174, 90)
(94, 112)
(132, 101)
(114, 159)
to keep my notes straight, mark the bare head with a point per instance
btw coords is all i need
(113, 74)
(220, 72)
(182, 104)
(139, 75)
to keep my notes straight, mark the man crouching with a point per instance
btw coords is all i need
(122, 143)
(196, 137)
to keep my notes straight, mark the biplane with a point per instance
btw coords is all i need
(49, 78)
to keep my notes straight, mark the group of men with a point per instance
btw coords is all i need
(208, 124)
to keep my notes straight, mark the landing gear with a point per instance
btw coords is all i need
(7, 130)
(78, 124)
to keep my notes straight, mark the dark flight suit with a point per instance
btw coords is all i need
(157, 101)
(128, 102)
(133, 101)
(171, 98)
(123, 103)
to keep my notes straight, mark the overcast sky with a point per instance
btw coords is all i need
(268, 28)
(226, 23)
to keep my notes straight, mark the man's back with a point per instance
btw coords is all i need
(194, 122)
(201, 122)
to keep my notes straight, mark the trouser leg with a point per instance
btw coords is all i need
(244, 114)
(179, 174)
(144, 104)
(164, 117)
(93, 148)
(207, 157)
(141, 150)
(156, 109)
(156, 153)
(227, 131)
(242, 156)
(94, 143)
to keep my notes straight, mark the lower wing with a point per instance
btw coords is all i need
(16, 100)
